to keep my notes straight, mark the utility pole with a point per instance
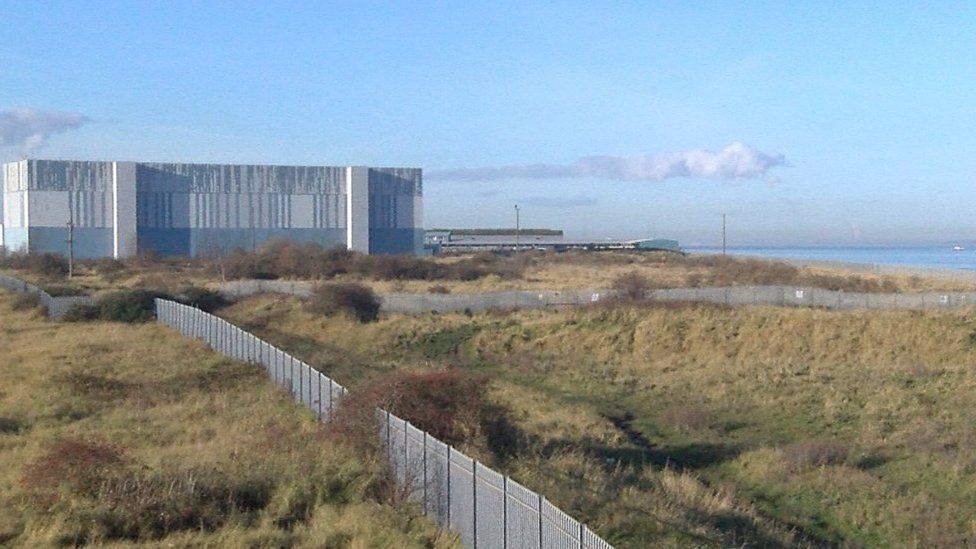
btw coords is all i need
(71, 248)
(517, 228)
(723, 234)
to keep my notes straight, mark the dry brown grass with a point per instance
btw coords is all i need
(130, 434)
(855, 427)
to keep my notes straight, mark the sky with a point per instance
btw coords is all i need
(807, 123)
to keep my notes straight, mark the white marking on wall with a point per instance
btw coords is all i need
(357, 209)
(124, 235)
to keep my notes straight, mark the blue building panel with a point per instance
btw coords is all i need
(123, 208)
(88, 242)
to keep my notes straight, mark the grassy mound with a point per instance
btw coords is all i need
(699, 425)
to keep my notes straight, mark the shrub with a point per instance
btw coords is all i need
(688, 417)
(450, 404)
(202, 298)
(814, 453)
(52, 265)
(109, 268)
(81, 312)
(439, 289)
(61, 291)
(287, 259)
(49, 265)
(10, 425)
(631, 286)
(25, 302)
(129, 306)
(356, 299)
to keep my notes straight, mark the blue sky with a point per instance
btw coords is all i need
(867, 112)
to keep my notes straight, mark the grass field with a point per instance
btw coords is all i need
(678, 425)
(119, 435)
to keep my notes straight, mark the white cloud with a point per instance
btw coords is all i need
(734, 161)
(29, 129)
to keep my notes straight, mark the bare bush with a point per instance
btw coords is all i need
(815, 453)
(631, 286)
(355, 299)
(48, 265)
(451, 405)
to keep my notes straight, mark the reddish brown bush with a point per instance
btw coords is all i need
(631, 286)
(447, 404)
(80, 465)
(451, 405)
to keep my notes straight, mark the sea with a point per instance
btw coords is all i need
(927, 257)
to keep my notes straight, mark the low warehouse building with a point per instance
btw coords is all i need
(120, 209)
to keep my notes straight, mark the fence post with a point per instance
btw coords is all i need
(406, 458)
(541, 500)
(319, 376)
(505, 512)
(331, 400)
(389, 445)
(582, 530)
(449, 450)
(280, 363)
(474, 501)
(425, 473)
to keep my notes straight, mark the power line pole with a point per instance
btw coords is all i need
(723, 234)
(71, 248)
(517, 228)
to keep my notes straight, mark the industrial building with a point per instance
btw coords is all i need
(120, 209)
(473, 240)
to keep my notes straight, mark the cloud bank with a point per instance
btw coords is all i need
(734, 161)
(29, 129)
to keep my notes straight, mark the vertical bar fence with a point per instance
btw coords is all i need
(485, 508)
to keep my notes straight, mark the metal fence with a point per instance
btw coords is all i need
(486, 508)
(56, 306)
(733, 295)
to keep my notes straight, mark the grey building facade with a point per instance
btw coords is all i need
(119, 209)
